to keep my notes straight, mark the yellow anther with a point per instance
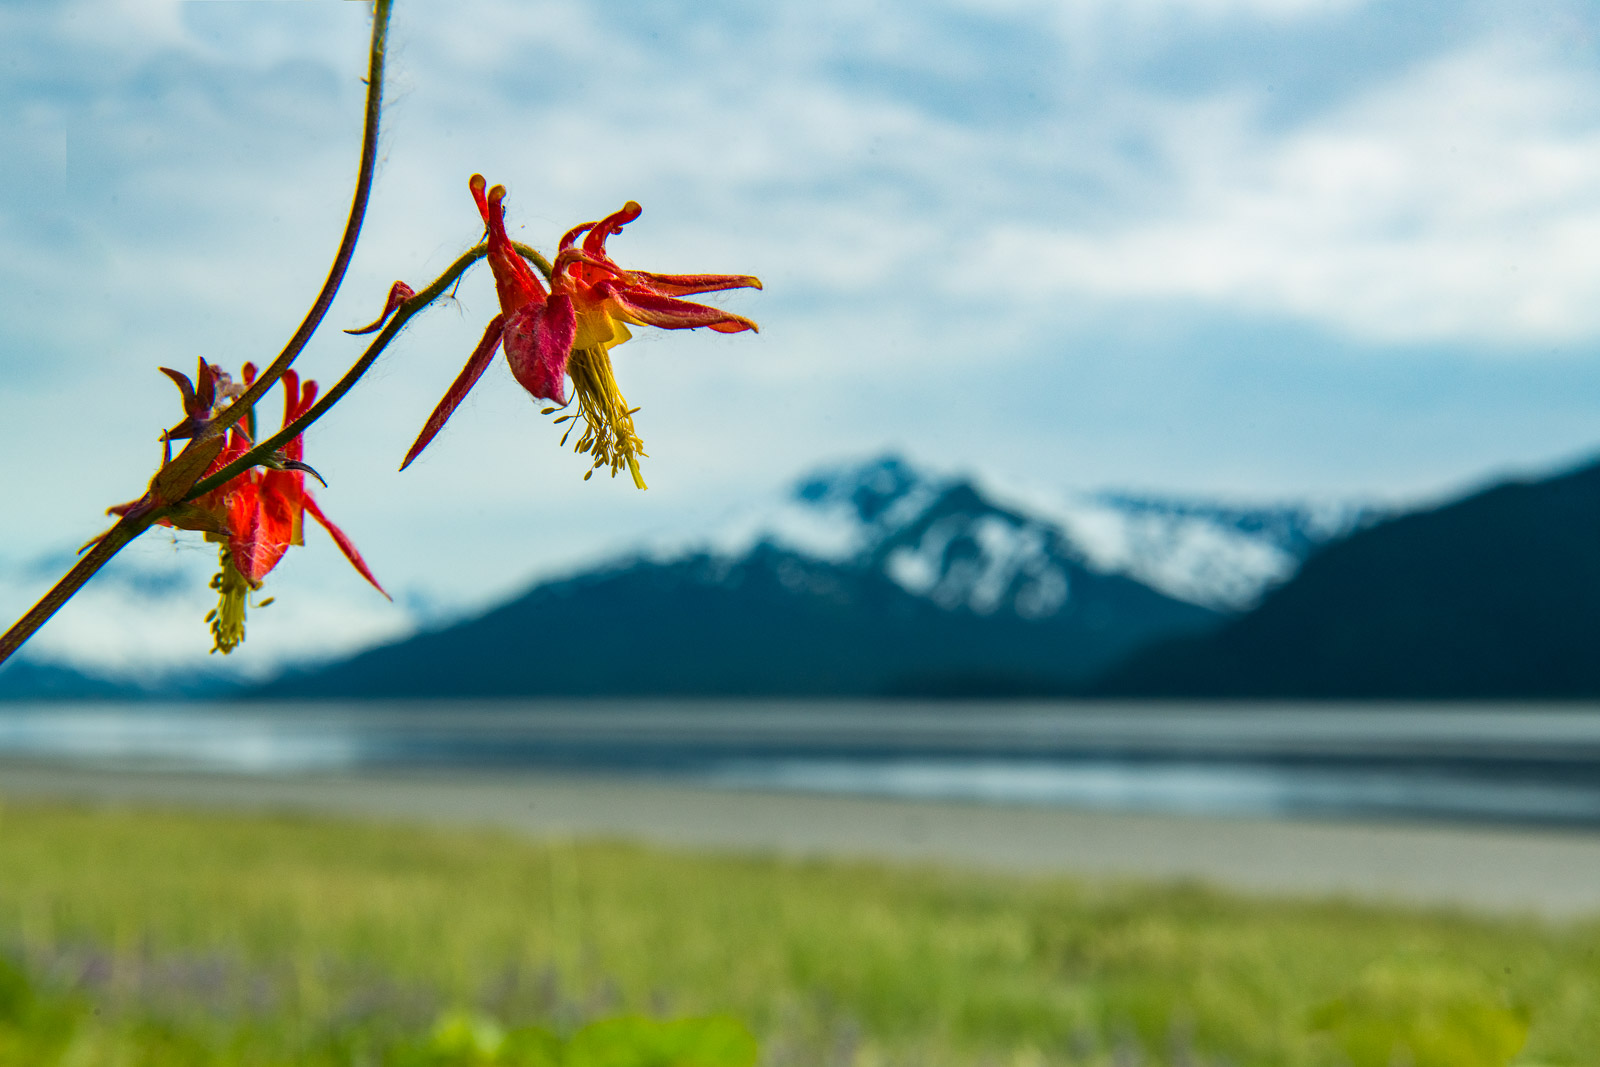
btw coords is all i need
(227, 619)
(608, 433)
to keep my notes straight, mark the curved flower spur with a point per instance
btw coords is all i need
(568, 330)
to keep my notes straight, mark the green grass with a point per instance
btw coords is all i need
(153, 937)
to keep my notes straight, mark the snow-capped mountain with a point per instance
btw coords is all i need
(963, 542)
(867, 580)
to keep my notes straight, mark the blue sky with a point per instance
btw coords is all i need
(1251, 248)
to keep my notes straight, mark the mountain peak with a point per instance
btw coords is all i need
(965, 543)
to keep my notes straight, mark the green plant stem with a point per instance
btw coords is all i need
(109, 545)
(352, 232)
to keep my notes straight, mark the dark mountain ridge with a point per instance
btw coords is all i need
(946, 593)
(1493, 596)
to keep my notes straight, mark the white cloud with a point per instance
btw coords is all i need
(1460, 203)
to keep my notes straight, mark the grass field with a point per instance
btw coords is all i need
(169, 938)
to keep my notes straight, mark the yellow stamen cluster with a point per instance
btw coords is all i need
(227, 618)
(608, 433)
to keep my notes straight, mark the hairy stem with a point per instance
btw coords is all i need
(352, 231)
(109, 545)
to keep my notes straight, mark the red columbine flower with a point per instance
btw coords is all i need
(569, 330)
(265, 509)
(257, 515)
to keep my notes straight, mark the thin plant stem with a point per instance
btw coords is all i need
(347, 247)
(391, 330)
(126, 529)
(107, 546)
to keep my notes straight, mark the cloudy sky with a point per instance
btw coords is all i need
(1258, 249)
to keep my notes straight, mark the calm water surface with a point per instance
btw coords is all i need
(1511, 763)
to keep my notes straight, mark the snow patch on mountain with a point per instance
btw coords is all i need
(1006, 565)
(988, 546)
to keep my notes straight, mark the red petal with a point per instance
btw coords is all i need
(477, 363)
(567, 257)
(399, 293)
(538, 341)
(263, 529)
(684, 284)
(283, 491)
(298, 397)
(652, 309)
(515, 283)
(345, 544)
(595, 243)
(570, 238)
(291, 394)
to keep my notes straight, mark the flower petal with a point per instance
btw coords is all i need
(575, 268)
(515, 282)
(477, 363)
(238, 444)
(652, 309)
(264, 526)
(538, 341)
(570, 238)
(283, 492)
(297, 400)
(345, 544)
(291, 394)
(612, 224)
(685, 284)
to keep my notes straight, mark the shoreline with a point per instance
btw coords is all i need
(1550, 874)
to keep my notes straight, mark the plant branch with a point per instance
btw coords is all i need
(107, 546)
(352, 231)
(391, 330)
